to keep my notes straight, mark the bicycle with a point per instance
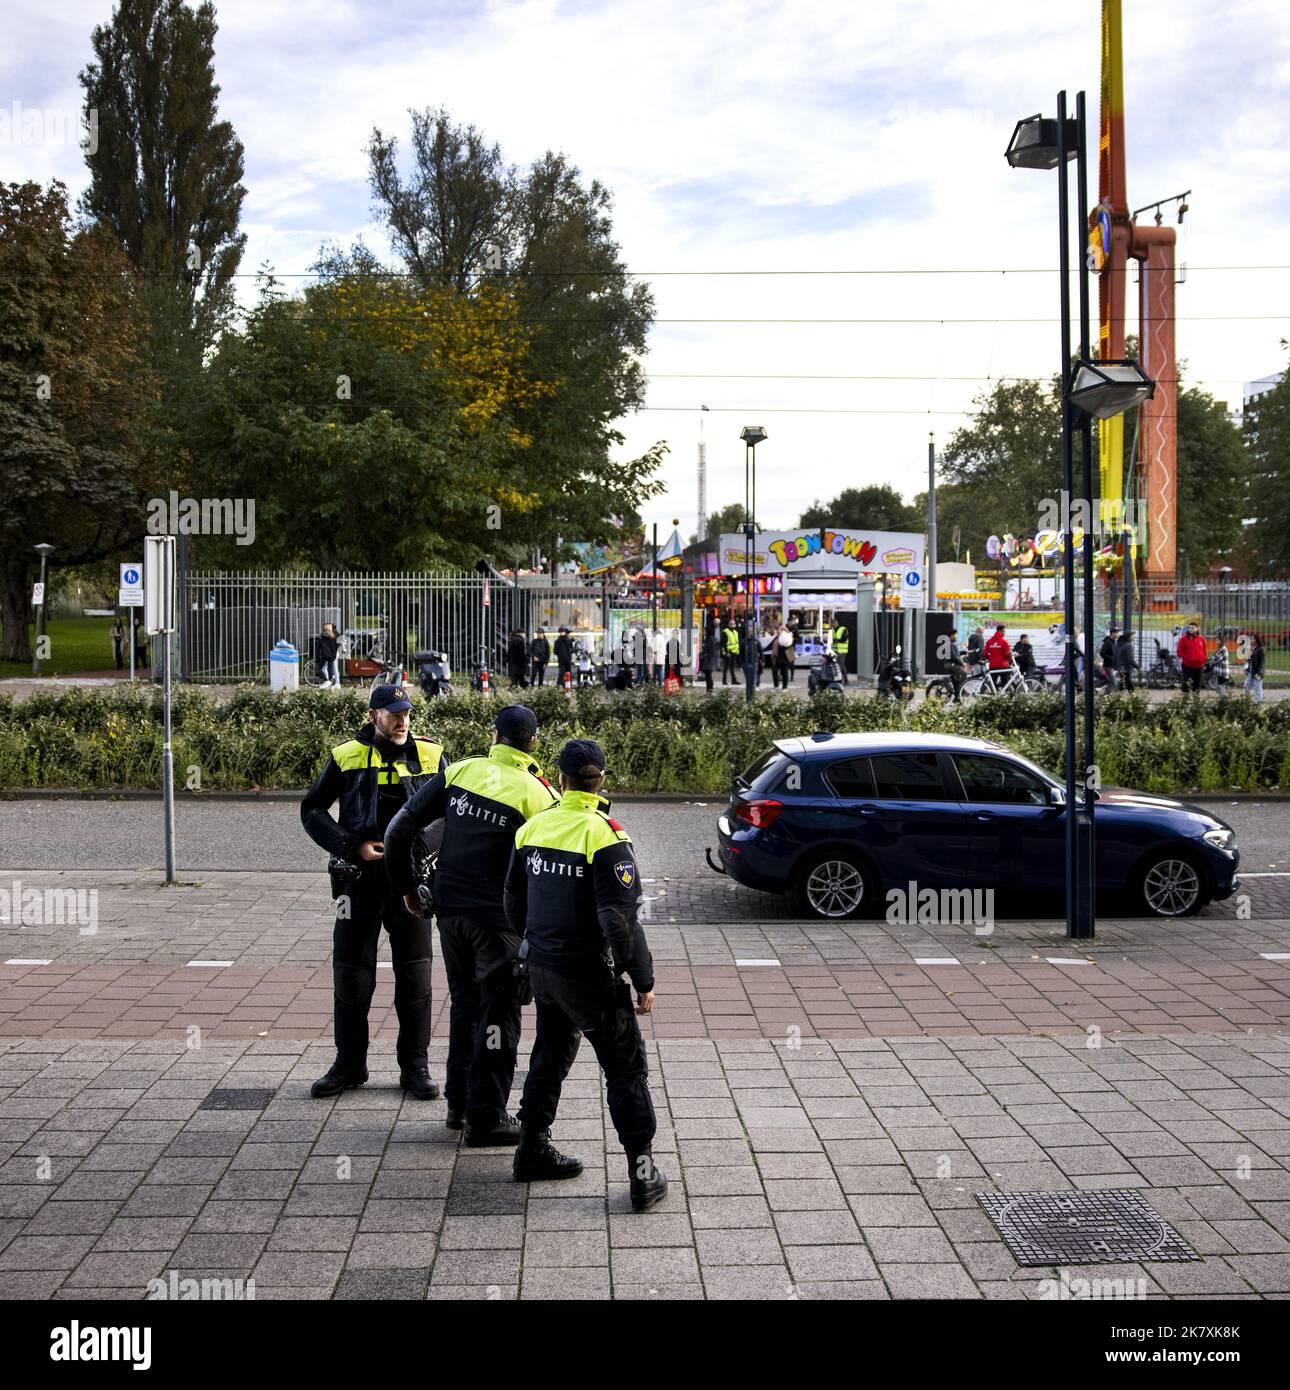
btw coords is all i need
(1005, 680)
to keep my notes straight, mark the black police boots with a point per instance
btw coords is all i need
(503, 1130)
(648, 1184)
(337, 1081)
(537, 1158)
(454, 1119)
(416, 1081)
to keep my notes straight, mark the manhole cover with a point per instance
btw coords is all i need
(1082, 1228)
(229, 1099)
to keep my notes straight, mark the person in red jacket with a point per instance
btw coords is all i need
(1192, 656)
(998, 653)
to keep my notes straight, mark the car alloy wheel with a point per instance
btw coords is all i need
(1171, 887)
(835, 888)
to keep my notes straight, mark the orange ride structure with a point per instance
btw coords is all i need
(1114, 239)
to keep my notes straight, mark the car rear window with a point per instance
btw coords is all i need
(850, 778)
(908, 777)
(764, 773)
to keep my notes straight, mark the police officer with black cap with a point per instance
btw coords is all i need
(372, 775)
(484, 801)
(574, 892)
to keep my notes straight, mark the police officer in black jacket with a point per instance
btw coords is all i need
(484, 802)
(563, 655)
(372, 776)
(574, 892)
(539, 655)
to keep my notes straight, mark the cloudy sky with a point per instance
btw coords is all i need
(832, 150)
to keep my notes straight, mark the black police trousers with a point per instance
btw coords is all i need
(601, 1008)
(484, 1014)
(370, 902)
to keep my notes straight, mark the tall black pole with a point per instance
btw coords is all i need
(930, 600)
(653, 602)
(1087, 901)
(750, 464)
(1068, 556)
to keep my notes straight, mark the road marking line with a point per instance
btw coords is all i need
(385, 965)
(756, 962)
(937, 960)
(1265, 873)
(20, 961)
(1066, 960)
(1267, 955)
(214, 964)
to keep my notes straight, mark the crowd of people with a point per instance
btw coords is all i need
(1116, 661)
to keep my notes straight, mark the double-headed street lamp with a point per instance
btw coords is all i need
(1090, 390)
(752, 435)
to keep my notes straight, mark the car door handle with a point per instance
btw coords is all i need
(867, 810)
(983, 815)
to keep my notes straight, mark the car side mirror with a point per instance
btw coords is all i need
(1057, 796)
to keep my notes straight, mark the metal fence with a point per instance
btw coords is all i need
(1158, 611)
(231, 620)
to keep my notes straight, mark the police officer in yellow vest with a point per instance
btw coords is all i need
(372, 776)
(842, 647)
(485, 801)
(730, 653)
(574, 892)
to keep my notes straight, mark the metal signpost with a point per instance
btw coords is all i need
(159, 618)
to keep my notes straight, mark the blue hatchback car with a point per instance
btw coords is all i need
(837, 821)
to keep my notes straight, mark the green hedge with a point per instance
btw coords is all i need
(654, 743)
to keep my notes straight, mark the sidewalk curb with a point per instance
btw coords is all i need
(621, 798)
(184, 795)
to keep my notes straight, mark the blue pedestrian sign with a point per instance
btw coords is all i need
(131, 594)
(913, 593)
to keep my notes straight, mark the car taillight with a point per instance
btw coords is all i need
(761, 814)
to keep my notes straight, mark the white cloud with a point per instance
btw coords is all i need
(773, 136)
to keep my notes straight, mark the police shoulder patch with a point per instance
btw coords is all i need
(625, 872)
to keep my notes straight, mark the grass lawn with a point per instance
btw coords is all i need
(75, 644)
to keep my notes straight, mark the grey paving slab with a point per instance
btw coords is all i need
(817, 1197)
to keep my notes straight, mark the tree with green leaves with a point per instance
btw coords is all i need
(73, 392)
(1001, 466)
(727, 520)
(1213, 481)
(377, 423)
(875, 507)
(166, 174)
(464, 219)
(1267, 438)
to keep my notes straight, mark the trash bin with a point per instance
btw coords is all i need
(284, 666)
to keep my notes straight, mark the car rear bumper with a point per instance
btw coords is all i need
(740, 857)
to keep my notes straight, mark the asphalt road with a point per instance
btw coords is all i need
(669, 835)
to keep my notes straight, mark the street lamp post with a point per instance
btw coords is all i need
(931, 553)
(752, 435)
(42, 626)
(1090, 390)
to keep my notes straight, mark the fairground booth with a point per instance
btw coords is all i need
(815, 579)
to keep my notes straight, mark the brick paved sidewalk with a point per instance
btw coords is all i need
(265, 940)
(833, 1170)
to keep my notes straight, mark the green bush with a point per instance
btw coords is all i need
(653, 743)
